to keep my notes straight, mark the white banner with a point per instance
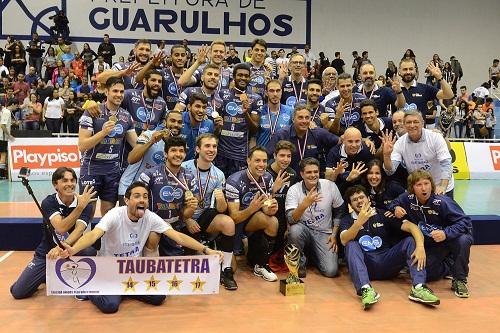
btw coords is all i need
(189, 275)
(483, 160)
(281, 23)
(43, 156)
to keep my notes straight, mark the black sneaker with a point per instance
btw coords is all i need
(460, 288)
(227, 279)
(81, 297)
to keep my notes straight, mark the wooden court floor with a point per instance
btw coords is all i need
(330, 305)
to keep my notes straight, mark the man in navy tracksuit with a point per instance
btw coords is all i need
(365, 233)
(69, 215)
(447, 229)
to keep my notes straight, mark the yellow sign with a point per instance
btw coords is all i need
(459, 158)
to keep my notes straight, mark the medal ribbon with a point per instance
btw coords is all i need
(184, 185)
(203, 189)
(302, 149)
(249, 174)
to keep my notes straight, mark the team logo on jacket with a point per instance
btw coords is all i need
(368, 243)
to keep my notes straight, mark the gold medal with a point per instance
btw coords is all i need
(113, 118)
(188, 194)
(243, 97)
(268, 202)
(215, 114)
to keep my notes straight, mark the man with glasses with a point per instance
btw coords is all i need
(294, 86)
(329, 79)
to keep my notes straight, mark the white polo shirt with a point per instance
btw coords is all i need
(319, 215)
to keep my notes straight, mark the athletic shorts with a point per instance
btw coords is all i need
(206, 218)
(106, 186)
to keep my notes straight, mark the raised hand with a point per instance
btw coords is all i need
(365, 213)
(312, 197)
(87, 196)
(357, 170)
(395, 84)
(434, 71)
(388, 141)
(132, 69)
(202, 55)
(280, 180)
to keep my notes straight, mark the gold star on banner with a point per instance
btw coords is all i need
(152, 283)
(130, 284)
(197, 284)
(174, 283)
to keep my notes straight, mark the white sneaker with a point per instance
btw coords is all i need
(265, 272)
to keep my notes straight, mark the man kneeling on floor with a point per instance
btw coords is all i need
(365, 233)
(114, 229)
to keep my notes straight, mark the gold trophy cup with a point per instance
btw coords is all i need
(292, 285)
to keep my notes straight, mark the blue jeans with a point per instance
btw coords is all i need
(382, 265)
(302, 236)
(459, 129)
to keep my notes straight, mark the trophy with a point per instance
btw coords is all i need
(292, 285)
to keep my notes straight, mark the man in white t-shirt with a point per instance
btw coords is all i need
(5, 134)
(124, 232)
(420, 149)
(311, 206)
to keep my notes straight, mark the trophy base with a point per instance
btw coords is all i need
(292, 289)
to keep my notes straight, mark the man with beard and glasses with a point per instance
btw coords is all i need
(240, 111)
(196, 124)
(146, 106)
(124, 232)
(310, 142)
(253, 209)
(319, 113)
(385, 98)
(171, 89)
(193, 75)
(274, 115)
(314, 208)
(210, 80)
(69, 215)
(447, 229)
(346, 106)
(418, 94)
(142, 53)
(294, 86)
(171, 193)
(209, 220)
(148, 152)
(101, 141)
